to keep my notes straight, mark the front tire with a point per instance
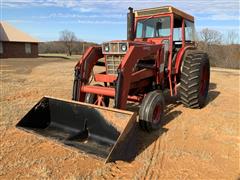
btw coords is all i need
(194, 82)
(151, 111)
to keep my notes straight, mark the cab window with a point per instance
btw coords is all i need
(153, 27)
(189, 31)
(177, 29)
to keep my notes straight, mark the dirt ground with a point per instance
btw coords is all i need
(193, 144)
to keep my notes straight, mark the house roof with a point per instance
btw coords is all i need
(11, 34)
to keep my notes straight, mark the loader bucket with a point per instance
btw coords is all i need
(103, 132)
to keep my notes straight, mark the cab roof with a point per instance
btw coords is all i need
(162, 10)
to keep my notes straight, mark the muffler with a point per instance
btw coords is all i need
(106, 133)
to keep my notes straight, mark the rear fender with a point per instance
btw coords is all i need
(180, 57)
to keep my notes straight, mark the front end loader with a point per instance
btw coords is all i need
(158, 56)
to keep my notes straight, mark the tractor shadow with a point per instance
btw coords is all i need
(145, 139)
(212, 93)
(170, 112)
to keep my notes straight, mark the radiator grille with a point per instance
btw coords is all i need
(112, 63)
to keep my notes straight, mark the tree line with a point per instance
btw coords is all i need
(223, 51)
(68, 43)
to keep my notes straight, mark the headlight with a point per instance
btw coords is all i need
(106, 48)
(124, 47)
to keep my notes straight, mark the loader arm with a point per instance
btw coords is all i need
(134, 54)
(83, 71)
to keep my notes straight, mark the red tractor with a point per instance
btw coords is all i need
(159, 54)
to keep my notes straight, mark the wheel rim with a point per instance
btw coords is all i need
(99, 101)
(157, 114)
(204, 81)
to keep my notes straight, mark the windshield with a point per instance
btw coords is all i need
(153, 27)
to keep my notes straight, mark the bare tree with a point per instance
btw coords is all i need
(209, 36)
(232, 37)
(68, 38)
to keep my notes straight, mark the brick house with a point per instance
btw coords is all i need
(15, 43)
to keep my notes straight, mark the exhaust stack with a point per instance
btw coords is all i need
(130, 24)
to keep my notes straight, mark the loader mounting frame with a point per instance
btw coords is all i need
(126, 79)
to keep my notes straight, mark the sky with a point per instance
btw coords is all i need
(103, 20)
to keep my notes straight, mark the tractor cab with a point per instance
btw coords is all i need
(163, 25)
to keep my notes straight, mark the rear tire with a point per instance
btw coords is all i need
(151, 111)
(92, 98)
(194, 81)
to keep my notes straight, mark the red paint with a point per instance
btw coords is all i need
(183, 32)
(157, 114)
(179, 58)
(105, 77)
(134, 80)
(204, 80)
